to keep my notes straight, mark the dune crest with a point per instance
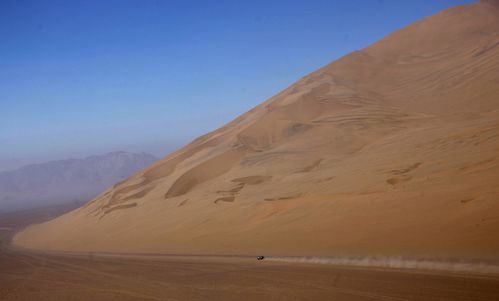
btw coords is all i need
(392, 150)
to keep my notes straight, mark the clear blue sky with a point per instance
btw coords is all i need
(88, 77)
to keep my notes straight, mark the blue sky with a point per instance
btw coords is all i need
(87, 77)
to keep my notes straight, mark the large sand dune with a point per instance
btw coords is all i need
(391, 150)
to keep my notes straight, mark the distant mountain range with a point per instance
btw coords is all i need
(72, 180)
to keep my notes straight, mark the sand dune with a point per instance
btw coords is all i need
(389, 151)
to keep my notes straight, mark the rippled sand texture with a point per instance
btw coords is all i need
(389, 151)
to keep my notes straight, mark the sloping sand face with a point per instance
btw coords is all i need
(389, 151)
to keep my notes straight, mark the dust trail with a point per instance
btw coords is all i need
(397, 262)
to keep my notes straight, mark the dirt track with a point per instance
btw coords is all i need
(25, 276)
(35, 276)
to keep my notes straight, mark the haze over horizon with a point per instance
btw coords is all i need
(86, 78)
(72, 181)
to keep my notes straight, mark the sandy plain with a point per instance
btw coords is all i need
(43, 276)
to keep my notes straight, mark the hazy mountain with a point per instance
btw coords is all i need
(391, 150)
(73, 180)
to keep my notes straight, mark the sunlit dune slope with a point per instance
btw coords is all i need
(391, 150)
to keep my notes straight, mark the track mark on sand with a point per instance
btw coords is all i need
(401, 175)
(120, 207)
(398, 180)
(287, 197)
(252, 180)
(182, 203)
(464, 201)
(407, 169)
(228, 199)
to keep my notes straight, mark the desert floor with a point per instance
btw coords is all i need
(37, 276)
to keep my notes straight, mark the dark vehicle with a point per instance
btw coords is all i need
(260, 257)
